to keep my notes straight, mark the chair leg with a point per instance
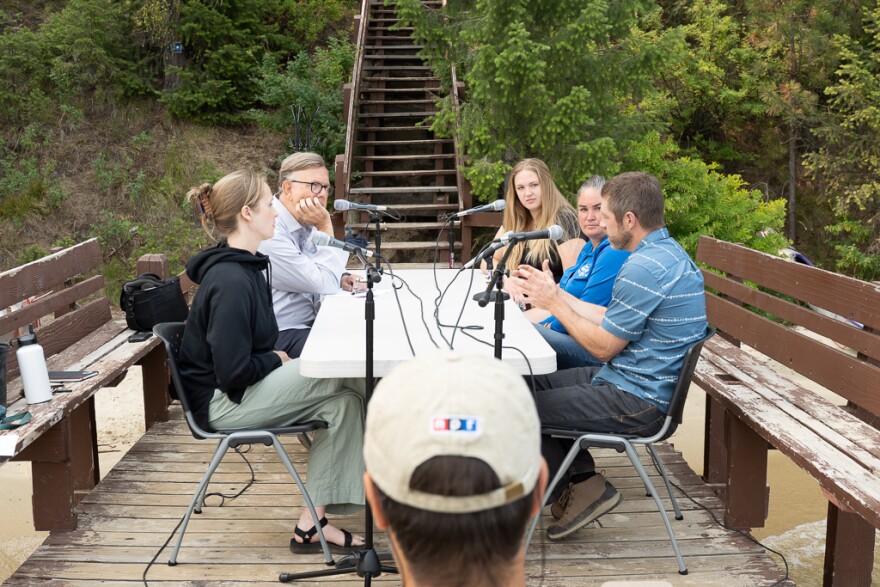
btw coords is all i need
(569, 459)
(198, 496)
(328, 558)
(658, 464)
(634, 458)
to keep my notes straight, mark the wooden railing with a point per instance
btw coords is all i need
(350, 99)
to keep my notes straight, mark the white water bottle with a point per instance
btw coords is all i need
(32, 365)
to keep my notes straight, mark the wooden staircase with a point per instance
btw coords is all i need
(392, 157)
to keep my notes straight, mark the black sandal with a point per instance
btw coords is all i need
(309, 547)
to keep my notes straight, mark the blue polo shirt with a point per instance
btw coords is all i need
(658, 304)
(592, 276)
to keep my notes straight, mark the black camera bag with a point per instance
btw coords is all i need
(148, 300)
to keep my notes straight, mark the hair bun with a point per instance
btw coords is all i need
(201, 197)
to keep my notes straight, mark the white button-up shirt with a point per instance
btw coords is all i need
(301, 272)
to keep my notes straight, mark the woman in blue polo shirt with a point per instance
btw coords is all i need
(590, 279)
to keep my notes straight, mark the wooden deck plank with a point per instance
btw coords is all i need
(126, 519)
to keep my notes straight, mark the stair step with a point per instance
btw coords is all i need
(408, 173)
(394, 47)
(421, 89)
(368, 102)
(415, 245)
(375, 57)
(404, 157)
(424, 80)
(397, 68)
(417, 210)
(406, 190)
(406, 38)
(396, 114)
(362, 128)
(412, 142)
(397, 226)
(386, 27)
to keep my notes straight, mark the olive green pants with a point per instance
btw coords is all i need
(336, 463)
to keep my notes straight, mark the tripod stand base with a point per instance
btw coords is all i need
(365, 563)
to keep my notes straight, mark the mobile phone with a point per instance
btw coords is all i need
(140, 336)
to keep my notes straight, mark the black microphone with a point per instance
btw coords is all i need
(375, 274)
(343, 205)
(324, 240)
(485, 253)
(553, 232)
(495, 206)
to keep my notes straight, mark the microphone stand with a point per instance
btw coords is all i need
(497, 283)
(377, 220)
(367, 563)
(451, 232)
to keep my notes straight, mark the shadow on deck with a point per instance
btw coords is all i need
(125, 520)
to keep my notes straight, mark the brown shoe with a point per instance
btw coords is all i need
(588, 500)
(557, 508)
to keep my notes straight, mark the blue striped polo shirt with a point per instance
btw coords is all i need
(658, 304)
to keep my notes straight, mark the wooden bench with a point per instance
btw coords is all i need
(823, 326)
(77, 331)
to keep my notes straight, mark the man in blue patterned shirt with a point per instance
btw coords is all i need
(657, 311)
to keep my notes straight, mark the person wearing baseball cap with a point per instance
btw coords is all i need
(454, 472)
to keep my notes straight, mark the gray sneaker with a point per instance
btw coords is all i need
(557, 508)
(587, 501)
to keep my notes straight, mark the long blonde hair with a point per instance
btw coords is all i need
(555, 209)
(218, 205)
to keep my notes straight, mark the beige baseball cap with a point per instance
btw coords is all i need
(446, 403)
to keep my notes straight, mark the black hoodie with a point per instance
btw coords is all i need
(231, 330)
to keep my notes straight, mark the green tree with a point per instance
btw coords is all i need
(312, 83)
(560, 80)
(702, 201)
(848, 162)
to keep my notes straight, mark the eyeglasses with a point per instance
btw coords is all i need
(315, 186)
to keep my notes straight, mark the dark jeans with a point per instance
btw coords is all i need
(566, 399)
(292, 341)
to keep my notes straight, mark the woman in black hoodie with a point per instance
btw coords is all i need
(234, 377)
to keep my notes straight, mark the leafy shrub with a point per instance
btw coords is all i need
(312, 83)
(702, 201)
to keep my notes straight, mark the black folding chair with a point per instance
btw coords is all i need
(627, 443)
(171, 334)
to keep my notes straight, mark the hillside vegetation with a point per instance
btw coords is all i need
(761, 118)
(104, 126)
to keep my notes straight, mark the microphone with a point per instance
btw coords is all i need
(553, 233)
(495, 206)
(324, 240)
(485, 253)
(343, 205)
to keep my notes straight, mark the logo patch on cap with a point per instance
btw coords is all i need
(455, 424)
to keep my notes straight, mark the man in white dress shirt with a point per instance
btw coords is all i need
(301, 272)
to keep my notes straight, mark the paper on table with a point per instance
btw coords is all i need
(7, 444)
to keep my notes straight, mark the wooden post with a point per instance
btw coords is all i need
(154, 366)
(155, 263)
(746, 505)
(715, 448)
(849, 550)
